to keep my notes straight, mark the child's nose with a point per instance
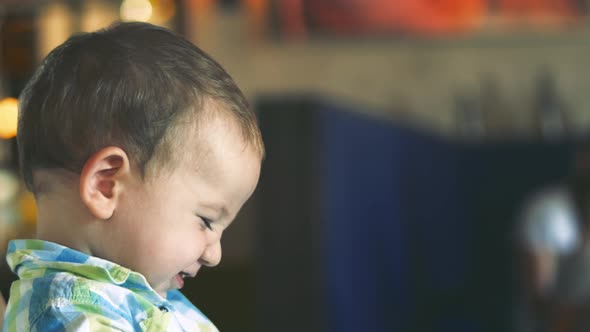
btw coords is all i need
(212, 255)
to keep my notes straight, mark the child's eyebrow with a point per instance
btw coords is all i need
(221, 209)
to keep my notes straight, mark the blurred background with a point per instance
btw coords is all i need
(403, 138)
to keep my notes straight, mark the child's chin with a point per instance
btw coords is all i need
(162, 290)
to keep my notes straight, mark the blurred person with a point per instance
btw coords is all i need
(140, 150)
(554, 241)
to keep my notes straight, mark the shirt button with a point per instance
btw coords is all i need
(163, 308)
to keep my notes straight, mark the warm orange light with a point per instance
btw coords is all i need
(8, 117)
(163, 11)
(136, 10)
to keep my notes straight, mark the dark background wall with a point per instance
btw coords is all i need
(368, 225)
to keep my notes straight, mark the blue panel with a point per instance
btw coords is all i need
(418, 229)
(365, 230)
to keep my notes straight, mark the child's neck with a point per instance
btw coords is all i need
(62, 221)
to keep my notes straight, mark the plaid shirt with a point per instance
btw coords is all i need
(61, 289)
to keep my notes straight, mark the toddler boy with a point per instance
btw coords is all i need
(140, 150)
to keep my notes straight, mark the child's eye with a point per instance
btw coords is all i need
(207, 223)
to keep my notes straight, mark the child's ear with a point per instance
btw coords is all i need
(101, 181)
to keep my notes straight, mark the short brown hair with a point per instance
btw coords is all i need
(126, 85)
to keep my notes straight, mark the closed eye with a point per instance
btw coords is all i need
(207, 223)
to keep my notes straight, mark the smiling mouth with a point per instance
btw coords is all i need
(181, 276)
(184, 275)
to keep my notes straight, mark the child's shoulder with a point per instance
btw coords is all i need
(62, 294)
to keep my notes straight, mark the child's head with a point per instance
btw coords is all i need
(142, 146)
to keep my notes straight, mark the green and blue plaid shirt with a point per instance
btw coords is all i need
(60, 289)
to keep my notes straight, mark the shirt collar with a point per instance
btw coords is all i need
(33, 258)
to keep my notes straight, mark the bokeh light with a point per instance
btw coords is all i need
(8, 117)
(136, 10)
